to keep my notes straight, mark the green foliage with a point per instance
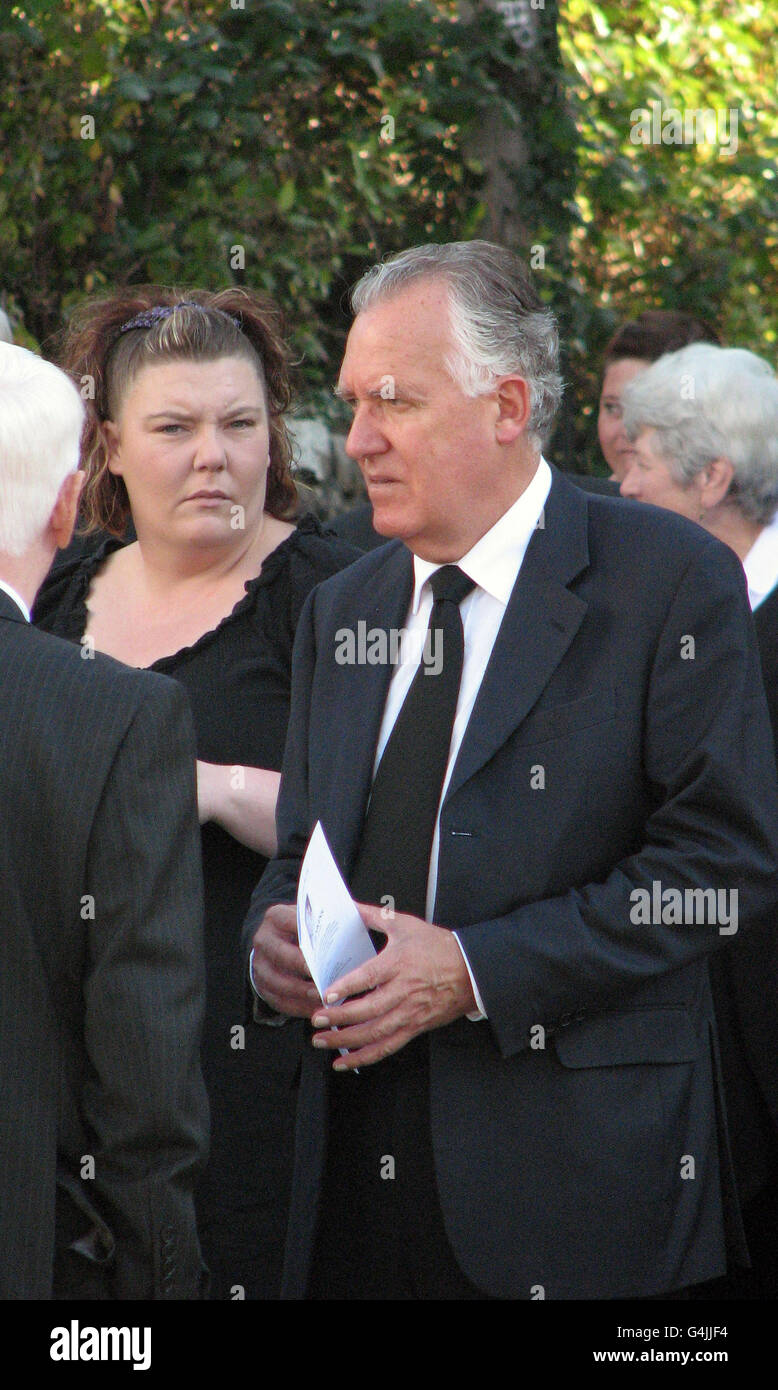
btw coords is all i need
(665, 225)
(289, 143)
(285, 144)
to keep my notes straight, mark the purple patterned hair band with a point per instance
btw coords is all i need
(147, 318)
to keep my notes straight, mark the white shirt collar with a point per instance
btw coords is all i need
(761, 564)
(17, 598)
(495, 560)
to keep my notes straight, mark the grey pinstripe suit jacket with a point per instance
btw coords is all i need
(103, 1116)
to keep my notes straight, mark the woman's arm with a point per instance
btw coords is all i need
(242, 800)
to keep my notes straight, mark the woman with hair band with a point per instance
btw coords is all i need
(186, 439)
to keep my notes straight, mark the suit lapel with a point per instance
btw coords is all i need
(766, 615)
(362, 692)
(540, 622)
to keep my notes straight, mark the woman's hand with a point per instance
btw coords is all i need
(242, 800)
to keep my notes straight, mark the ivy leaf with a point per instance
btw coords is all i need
(286, 196)
(130, 85)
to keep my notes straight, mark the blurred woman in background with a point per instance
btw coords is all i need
(703, 426)
(631, 351)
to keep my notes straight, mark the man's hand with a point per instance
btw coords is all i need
(418, 982)
(280, 973)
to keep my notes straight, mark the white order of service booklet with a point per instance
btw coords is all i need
(333, 938)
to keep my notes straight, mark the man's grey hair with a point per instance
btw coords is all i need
(708, 403)
(498, 322)
(41, 416)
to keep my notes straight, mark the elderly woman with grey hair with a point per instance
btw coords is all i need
(704, 422)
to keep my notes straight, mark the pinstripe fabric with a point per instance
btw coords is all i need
(101, 976)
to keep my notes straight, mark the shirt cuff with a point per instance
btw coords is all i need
(262, 1011)
(481, 1014)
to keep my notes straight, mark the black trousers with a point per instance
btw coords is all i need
(381, 1233)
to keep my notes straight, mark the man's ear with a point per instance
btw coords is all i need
(65, 511)
(111, 436)
(716, 479)
(513, 402)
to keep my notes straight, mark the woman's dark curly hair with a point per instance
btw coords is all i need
(204, 327)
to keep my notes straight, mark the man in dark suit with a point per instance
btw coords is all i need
(536, 1110)
(103, 1116)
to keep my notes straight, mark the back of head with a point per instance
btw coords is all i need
(498, 322)
(41, 416)
(656, 332)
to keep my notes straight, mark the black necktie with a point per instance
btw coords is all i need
(394, 852)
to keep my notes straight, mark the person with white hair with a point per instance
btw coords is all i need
(103, 1116)
(704, 424)
(37, 401)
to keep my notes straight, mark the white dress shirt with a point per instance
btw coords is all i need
(17, 598)
(761, 564)
(493, 563)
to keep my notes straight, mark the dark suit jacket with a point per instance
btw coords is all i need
(745, 992)
(766, 624)
(103, 1117)
(604, 754)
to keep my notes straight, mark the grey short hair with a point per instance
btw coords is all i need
(41, 416)
(705, 403)
(498, 321)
